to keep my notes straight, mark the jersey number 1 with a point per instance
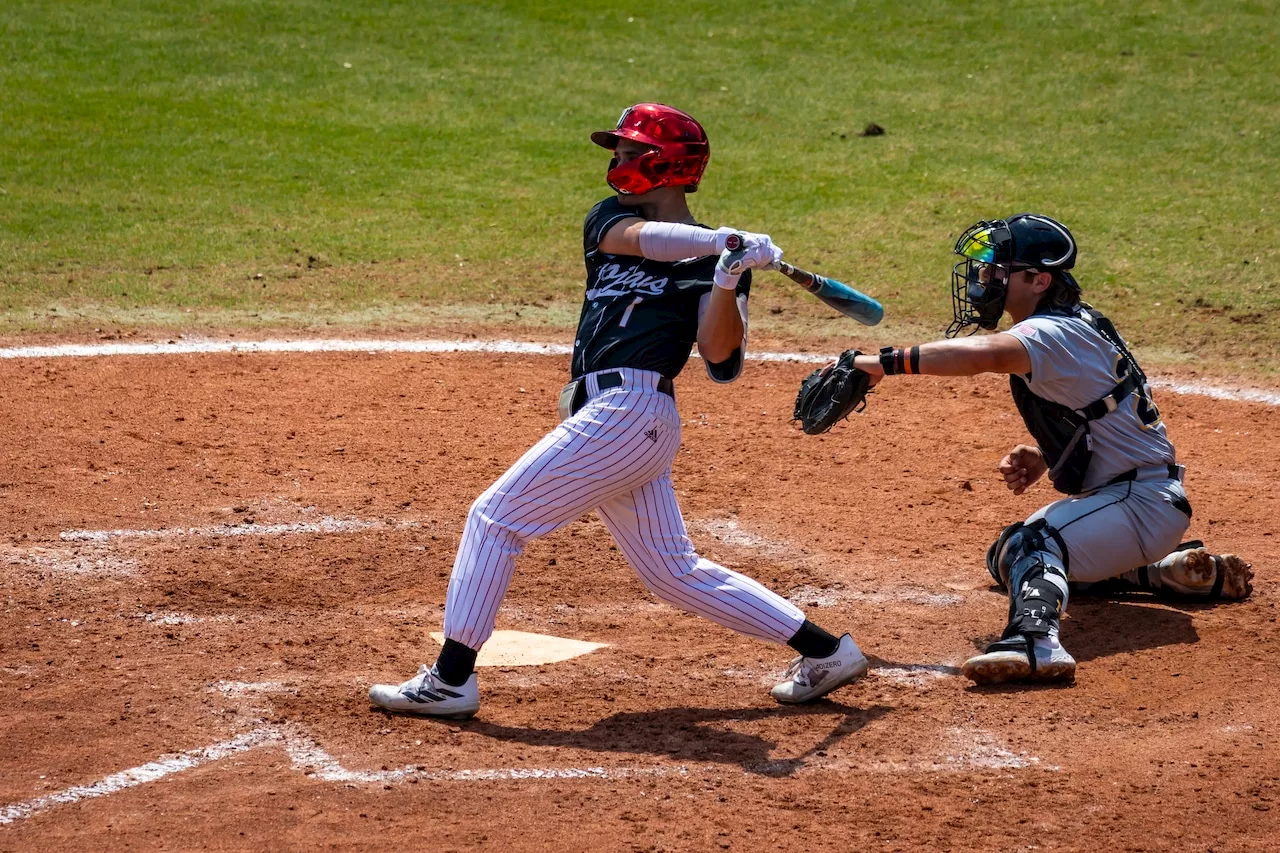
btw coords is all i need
(626, 315)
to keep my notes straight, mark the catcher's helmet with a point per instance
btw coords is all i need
(991, 251)
(678, 153)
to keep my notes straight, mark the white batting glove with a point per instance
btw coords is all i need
(769, 254)
(722, 234)
(728, 269)
(724, 231)
(760, 253)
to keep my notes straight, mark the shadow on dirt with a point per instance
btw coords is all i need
(1099, 628)
(1102, 627)
(691, 734)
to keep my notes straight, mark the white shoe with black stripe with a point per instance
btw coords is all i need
(809, 678)
(428, 695)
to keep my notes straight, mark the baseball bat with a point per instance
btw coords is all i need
(837, 294)
(840, 296)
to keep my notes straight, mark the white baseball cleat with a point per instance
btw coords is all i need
(808, 678)
(1008, 660)
(1195, 569)
(427, 695)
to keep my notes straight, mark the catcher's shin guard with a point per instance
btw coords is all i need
(1029, 649)
(998, 567)
(1038, 595)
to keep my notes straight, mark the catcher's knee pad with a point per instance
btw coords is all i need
(995, 565)
(1017, 541)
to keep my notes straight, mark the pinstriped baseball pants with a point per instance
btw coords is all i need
(613, 456)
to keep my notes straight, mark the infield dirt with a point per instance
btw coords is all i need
(200, 547)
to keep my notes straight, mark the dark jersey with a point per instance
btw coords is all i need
(639, 313)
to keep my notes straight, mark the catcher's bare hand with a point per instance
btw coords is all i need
(870, 365)
(1022, 467)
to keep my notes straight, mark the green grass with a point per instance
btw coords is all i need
(253, 162)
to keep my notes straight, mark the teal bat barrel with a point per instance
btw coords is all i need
(840, 296)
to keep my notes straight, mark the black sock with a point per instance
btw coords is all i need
(813, 642)
(455, 664)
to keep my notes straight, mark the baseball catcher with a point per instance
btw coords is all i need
(1099, 439)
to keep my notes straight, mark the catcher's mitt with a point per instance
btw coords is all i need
(830, 393)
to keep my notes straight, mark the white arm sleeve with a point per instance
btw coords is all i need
(675, 241)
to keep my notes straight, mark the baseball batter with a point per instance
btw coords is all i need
(657, 282)
(1099, 437)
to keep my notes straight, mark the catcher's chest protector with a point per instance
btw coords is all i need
(1063, 433)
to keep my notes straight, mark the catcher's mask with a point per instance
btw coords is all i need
(992, 250)
(677, 156)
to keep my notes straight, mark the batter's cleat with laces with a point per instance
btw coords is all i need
(1021, 658)
(426, 694)
(808, 678)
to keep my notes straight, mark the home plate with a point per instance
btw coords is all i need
(520, 648)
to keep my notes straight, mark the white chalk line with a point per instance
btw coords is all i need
(142, 775)
(973, 750)
(731, 532)
(826, 597)
(920, 676)
(242, 689)
(176, 618)
(309, 758)
(324, 525)
(969, 749)
(917, 676)
(203, 347)
(728, 531)
(1246, 395)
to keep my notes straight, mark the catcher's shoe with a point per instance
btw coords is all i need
(427, 695)
(1191, 571)
(1021, 658)
(808, 678)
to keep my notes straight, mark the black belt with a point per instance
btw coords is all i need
(613, 379)
(1132, 474)
(1182, 505)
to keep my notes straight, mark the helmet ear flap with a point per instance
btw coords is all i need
(634, 177)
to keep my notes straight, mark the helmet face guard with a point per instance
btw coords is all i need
(677, 156)
(980, 282)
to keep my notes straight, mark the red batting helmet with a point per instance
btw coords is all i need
(679, 149)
